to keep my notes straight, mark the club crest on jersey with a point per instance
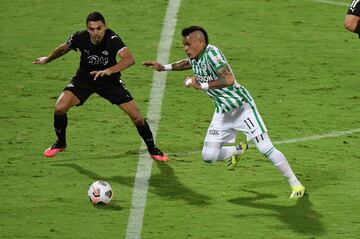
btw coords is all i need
(95, 60)
(203, 68)
(218, 59)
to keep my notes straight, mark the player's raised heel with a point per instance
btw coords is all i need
(232, 162)
(297, 191)
(54, 149)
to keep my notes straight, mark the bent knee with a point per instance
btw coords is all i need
(209, 155)
(139, 121)
(349, 26)
(263, 147)
(66, 100)
(351, 22)
(61, 109)
(264, 144)
(208, 159)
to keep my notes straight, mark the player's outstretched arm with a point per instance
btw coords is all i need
(155, 65)
(56, 53)
(176, 66)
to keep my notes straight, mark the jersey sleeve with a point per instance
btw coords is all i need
(216, 59)
(354, 8)
(116, 42)
(72, 42)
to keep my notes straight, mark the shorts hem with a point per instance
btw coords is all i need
(77, 96)
(122, 101)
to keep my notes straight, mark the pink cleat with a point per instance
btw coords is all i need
(53, 150)
(157, 155)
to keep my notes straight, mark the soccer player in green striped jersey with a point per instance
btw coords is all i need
(235, 109)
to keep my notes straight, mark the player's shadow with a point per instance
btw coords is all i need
(165, 184)
(300, 218)
(124, 155)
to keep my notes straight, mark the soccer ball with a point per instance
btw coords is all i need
(100, 192)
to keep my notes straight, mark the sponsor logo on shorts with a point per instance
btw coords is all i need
(214, 132)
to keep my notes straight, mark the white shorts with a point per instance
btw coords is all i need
(225, 126)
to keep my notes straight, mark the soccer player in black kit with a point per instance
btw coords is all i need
(99, 72)
(352, 19)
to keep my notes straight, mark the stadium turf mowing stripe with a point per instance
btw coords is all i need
(143, 173)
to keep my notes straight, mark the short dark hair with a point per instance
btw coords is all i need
(95, 16)
(186, 32)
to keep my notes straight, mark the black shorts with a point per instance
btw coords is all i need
(114, 91)
(354, 8)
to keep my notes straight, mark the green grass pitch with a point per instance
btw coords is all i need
(296, 59)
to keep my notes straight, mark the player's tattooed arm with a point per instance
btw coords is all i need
(226, 78)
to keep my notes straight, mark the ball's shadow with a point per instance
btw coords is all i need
(114, 205)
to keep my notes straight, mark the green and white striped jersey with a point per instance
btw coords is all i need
(205, 67)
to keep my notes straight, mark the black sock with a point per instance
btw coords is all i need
(146, 134)
(60, 124)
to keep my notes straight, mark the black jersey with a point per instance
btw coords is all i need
(354, 8)
(96, 57)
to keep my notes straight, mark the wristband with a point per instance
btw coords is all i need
(168, 67)
(188, 81)
(204, 86)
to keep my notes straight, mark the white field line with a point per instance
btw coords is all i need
(320, 136)
(333, 2)
(294, 140)
(143, 173)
